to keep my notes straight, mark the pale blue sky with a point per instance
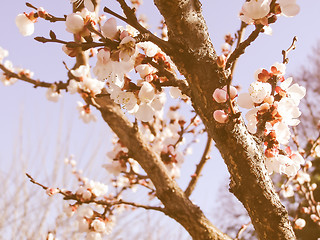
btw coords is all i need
(40, 118)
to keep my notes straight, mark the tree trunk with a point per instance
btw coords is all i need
(192, 52)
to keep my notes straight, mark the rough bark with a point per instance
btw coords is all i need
(194, 55)
(177, 205)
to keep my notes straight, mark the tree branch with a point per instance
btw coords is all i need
(285, 60)
(132, 20)
(239, 40)
(197, 173)
(242, 46)
(160, 209)
(60, 85)
(177, 205)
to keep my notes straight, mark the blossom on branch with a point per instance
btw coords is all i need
(273, 104)
(25, 23)
(85, 113)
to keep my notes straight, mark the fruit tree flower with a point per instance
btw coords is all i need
(109, 28)
(74, 23)
(299, 223)
(289, 8)
(273, 104)
(127, 48)
(25, 23)
(254, 10)
(85, 113)
(52, 94)
(3, 54)
(87, 4)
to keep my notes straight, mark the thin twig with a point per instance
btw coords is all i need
(132, 20)
(140, 206)
(68, 195)
(199, 168)
(285, 52)
(242, 46)
(35, 182)
(84, 45)
(239, 40)
(241, 230)
(47, 16)
(60, 85)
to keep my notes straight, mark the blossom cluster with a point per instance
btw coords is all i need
(302, 190)
(143, 97)
(263, 12)
(89, 206)
(273, 102)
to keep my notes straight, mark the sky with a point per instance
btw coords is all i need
(28, 119)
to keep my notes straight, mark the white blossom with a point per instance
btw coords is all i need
(289, 8)
(97, 188)
(8, 81)
(146, 93)
(300, 223)
(109, 28)
(175, 92)
(127, 48)
(3, 54)
(98, 225)
(287, 191)
(254, 10)
(149, 48)
(114, 168)
(145, 113)
(24, 24)
(85, 211)
(144, 70)
(74, 23)
(259, 91)
(52, 94)
(245, 101)
(73, 86)
(85, 113)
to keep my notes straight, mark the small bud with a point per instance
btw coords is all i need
(299, 223)
(220, 95)
(52, 191)
(220, 116)
(221, 61)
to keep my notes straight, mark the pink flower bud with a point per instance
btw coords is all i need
(220, 116)
(221, 61)
(220, 95)
(52, 191)
(233, 91)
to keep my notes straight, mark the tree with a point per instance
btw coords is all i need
(250, 153)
